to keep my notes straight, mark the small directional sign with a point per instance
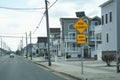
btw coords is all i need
(81, 38)
(81, 25)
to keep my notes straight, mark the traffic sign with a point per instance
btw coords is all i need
(81, 39)
(81, 25)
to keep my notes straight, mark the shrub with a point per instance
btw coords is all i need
(108, 59)
(68, 56)
(79, 55)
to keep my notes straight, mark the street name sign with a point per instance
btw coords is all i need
(80, 25)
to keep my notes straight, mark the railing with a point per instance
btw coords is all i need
(70, 39)
(75, 49)
(92, 38)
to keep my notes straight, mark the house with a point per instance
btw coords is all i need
(42, 46)
(55, 41)
(30, 49)
(94, 38)
(69, 36)
(110, 27)
(98, 42)
(3, 51)
(69, 46)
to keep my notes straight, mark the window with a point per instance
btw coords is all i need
(71, 35)
(102, 20)
(107, 38)
(110, 15)
(96, 23)
(106, 18)
(70, 26)
(73, 45)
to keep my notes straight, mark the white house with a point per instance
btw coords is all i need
(110, 27)
(98, 42)
(55, 41)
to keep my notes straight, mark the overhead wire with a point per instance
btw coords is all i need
(43, 17)
(52, 4)
(15, 37)
(21, 8)
(30, 10)
(39, 22)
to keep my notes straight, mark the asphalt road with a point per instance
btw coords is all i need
(19, 68)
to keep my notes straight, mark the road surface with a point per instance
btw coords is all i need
(19, 68)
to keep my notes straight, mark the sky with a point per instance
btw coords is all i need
(14, 23)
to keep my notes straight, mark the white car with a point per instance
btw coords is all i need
(11, 55)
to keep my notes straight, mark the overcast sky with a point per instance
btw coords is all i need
(15, 23)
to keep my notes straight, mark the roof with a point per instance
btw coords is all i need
(95, 18)
(42, 40)
(106, 3)
(68, 18)
(62, 19)
(73, 18)
(54, 30)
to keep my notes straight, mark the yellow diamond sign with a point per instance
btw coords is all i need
(81, 25)
(81, 38)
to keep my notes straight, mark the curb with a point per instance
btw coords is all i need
(57, 71)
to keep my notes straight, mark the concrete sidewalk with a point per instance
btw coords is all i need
(4, 57)
(93, 70)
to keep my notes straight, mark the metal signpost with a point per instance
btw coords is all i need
(81, 26)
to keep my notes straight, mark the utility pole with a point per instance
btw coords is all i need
(48, 31)
(26, 46)
(22, 46)
(1, 46)
(30, 46)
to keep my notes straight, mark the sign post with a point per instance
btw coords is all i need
(81, 26)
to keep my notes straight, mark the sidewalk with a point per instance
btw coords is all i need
(4, 57)
(93, 70)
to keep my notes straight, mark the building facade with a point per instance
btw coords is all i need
(42, 46)
(55, 41)
(69, 36)
(94, 38)
(110, 27)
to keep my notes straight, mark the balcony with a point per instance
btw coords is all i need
(70, 39)
(72, 49)
(92, 38)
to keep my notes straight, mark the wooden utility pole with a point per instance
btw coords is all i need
(30, 46)
(26, 46)
(48, 33)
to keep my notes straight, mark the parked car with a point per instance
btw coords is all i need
(11, 55)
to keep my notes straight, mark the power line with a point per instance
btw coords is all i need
(39, 22)
(11, 33)
(21, 8)
(16, 37)
(52, 4)
(11, 36)
(43, 16)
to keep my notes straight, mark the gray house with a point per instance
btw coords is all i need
(69, 36)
